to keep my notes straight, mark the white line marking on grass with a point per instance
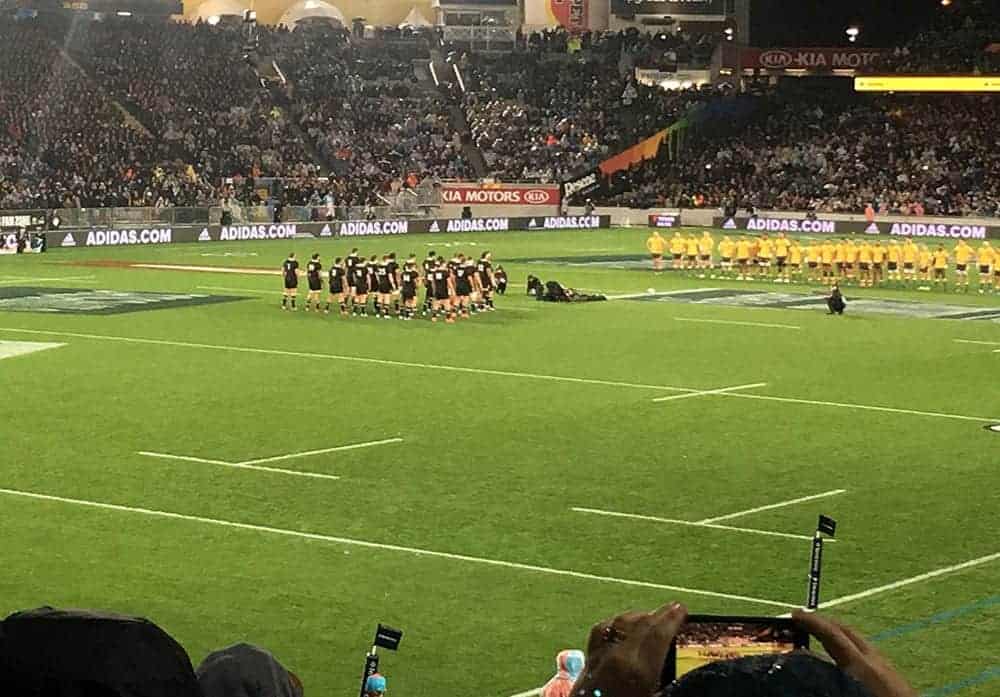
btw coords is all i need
(691, 523)
(393, 548)
(737, 323)
(241, 290)
(307, 453)
(981, 343)
(864, 407)
(354, 359)
(238, 465)
(721, 390)
(771, 506)
(209, 269)
(911, 580)
(61, 279)
(528, 693)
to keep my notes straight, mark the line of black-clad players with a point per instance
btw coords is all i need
(456, 287)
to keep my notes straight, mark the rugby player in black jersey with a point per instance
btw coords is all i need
(386, 285)
(338, 286)
(500, 280)
(463, 286)
(443, 287)
(290, 272)
(430, 262)
(484, 277)
(359, 289)
(351, 262)
(409, 279)
(313, 269)
(370, 267)
(393, 267)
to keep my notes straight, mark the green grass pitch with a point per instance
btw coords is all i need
(556, 412)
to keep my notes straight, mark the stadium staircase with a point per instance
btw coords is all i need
(447, 88)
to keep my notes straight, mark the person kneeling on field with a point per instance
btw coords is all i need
(835, 301)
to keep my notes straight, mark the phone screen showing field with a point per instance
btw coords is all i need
(701, 643)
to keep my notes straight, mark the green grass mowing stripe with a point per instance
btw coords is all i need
(939, 618)
(389, 547)
(985, 676)
(356, 359)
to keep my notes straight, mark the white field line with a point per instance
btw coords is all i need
(864, 407)
(646, 294)
(721, 390)
(691, 523)
(911, 580)
(980, 343)
(737, 323)
(209, 269)
(354, 359)
(307, 453)
(528, 693)
(388, 547)
(241, 290)
(238, 465)
(66, 279)
(772, 506)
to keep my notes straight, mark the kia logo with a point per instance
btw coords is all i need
(776, 59)
(536, 196)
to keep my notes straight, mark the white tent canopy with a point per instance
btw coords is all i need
(415, 19)
(311, 8)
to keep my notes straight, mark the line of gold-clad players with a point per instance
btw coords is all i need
(866, 263)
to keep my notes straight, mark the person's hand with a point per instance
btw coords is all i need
(856, 656)
(625, 654)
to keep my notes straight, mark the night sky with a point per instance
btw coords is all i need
(822, 22)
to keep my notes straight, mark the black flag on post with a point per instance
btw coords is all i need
(387, 637)
(371, 667)
(827, 526)
(815, 574)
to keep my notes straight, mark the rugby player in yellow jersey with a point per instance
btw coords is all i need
(878, 262)
(690, 252)
(743, 250)
(940, 258)
(840, 257)
(727, 251)
(864, 252)
(963, 257)
(828, 257)
(781, 245)
(894, 260)
(794, 262)
(765, 255)
(925, 259)
(987, 259)
(910, 254)
(814, 255)
(850, 259)
(677, 250)
(656, 246)
(706, 245)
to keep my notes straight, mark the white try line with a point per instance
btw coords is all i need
(911, 580)
(50, 279)
(737, 323)
(780, 504)
(721, 390)
(354, 359)
(390, 547)
(690, 523)
(863, 407)
(241, 290)
(237, 465)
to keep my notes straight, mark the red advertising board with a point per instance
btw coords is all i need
(817, 59)
(501, 194)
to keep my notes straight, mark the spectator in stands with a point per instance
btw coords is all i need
(569, 665)
(243, 670)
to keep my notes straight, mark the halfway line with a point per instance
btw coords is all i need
(691, 523)
(721, 390)
(389, 547)
(238, 465)
(866, 407)
(741, 324)
(355, 359)
(780, 504)
(307, 453)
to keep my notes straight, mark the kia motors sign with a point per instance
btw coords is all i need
(811, 59)
(501, 194)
